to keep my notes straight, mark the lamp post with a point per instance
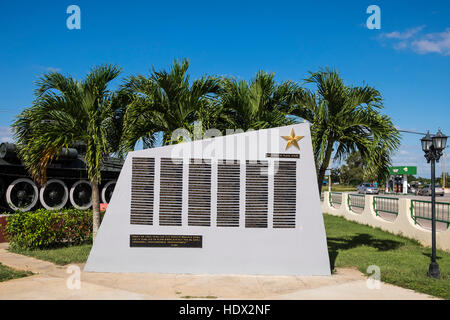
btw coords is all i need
(433, 147)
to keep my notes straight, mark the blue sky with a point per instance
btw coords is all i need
(408, 59)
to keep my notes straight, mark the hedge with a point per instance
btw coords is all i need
(47, 229)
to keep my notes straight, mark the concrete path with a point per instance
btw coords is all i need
(51, 282)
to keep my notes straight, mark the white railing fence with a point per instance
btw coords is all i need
(396, 215)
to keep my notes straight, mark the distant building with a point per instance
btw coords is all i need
(398, 180)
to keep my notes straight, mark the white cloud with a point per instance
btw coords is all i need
(438, 42)
(433, 42)
(402, 35)
(51, 69)
(401, 45)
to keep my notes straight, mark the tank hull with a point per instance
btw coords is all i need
(18, 191)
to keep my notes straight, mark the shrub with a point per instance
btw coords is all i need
(45, 229)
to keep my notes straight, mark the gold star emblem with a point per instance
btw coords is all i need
(292, 140)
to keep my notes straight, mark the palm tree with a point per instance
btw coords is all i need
(346, 119)
(257, 104)
(65, 112)
(164, 102)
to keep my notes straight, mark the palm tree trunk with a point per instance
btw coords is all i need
(95, 209)
(324, 165)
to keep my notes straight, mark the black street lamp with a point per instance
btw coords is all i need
(433, 146)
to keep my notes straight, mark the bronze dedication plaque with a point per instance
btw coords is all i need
(165, 241)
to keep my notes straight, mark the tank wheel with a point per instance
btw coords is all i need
(54, 194)
(81, 195)
(22, 194)
(107, 191)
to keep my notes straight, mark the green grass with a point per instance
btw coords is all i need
(402, 262)
(59, 256)
(339, 188)
(7, 273)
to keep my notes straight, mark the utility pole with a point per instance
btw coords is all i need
(329, 176)
(329, 179)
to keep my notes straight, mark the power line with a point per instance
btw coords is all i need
(9, 109)
(413, 132)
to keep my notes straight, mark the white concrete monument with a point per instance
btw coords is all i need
(245, 203)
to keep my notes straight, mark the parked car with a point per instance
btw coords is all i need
(414, 187)
(426, 190)
(367, 188)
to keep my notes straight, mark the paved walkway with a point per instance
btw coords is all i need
(50, 282)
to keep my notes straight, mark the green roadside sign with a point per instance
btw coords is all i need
(403, 170)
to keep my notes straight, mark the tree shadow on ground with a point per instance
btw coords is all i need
(361, 239)
(429, 255)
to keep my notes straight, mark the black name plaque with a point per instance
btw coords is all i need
(283, 155)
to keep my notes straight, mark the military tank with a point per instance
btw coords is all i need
(67, 182)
